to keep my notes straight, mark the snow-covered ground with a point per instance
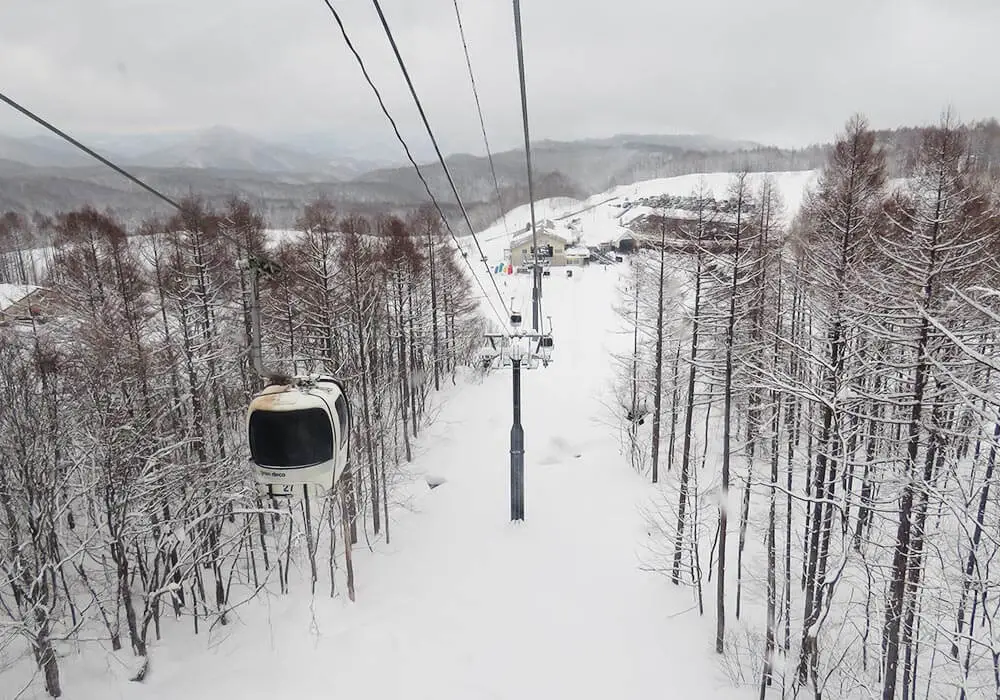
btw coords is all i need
(464, 604)
(13, 293)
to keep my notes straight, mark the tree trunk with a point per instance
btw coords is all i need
(720, 593)
(688, 425)
(404, 380)
(434, 311)
(658, 366)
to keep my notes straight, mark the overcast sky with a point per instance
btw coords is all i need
(788, 72)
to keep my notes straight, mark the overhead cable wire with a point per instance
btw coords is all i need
(413, 162)
(482, 122)
(536, 292)
(437, 149)
(118, 169)
(90, 152)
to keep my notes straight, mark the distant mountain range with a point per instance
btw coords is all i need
(221, 148)
(43, 174)
(225, 148)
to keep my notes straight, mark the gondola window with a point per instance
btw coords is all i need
(289, 439)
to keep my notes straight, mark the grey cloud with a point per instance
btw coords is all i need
(781, 71)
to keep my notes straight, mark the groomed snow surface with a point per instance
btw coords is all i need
(463, 603)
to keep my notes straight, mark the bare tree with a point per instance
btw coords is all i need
(841, 215)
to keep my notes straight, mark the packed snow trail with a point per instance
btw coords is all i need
(463, 603)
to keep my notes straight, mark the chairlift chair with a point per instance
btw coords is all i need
(545, 346)
(487, 355)
(299, 432)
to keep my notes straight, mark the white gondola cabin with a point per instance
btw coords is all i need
(299, 431)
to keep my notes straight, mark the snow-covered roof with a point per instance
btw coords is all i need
(577, 251)
(545, 228)
(10, 294)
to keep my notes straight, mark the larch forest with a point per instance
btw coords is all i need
(839, 367)
(845, 369)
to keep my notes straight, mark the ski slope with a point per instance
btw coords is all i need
(602, 218)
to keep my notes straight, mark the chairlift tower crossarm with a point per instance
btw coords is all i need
(539, 345)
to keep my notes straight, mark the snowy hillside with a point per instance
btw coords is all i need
(226, 148)
(462, 604)
(600, 218)
(671, 468)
